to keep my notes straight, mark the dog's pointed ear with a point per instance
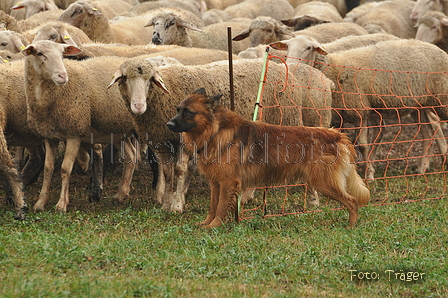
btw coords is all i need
(214, 101)
(200, 91)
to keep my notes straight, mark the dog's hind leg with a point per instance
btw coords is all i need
(332, 185)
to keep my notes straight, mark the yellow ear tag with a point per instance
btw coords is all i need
(22, 48)
(18, 3)
(94, 9)
(5, 61)
(66, 37)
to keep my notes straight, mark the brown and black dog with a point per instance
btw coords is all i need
(234, 153)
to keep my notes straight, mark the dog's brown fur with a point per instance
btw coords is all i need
(234, 154)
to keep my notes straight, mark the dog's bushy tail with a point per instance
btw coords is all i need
(357, 188)
(355, 185)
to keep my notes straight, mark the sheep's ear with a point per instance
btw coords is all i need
(71, 50)
(242, 35)
(18, 44)
(186, 24)
(67, 39)
(200, 91)
(29, 50)
(289, 22)
(319, 48)
(214, 101)
(150, 23)
(19, 5)
(444, 21)
(280, 45)
(48, 6)
(117, 75)
(94, 11)
(283, 31)
(157, 79)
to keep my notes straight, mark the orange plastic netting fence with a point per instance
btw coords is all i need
(393, 120)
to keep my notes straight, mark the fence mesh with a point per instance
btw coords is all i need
(393, 122)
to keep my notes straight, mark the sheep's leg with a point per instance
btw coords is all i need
(182, 182)
(83, 158)
(97, 173)
(366, 151)
(160, 187)
(12, 176)
(129, 163)
(34, 165)
(71, 152)
(434, 130)
(51, 147)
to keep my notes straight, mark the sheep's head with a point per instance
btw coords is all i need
(431, 27)
(46, 58)
(134, 79)
(303, 21)
(77, 12)
(11, 41)
(56, 32)
(168, 27)
(33, 6)
(264, 30)
(422, 6)
(300, 48)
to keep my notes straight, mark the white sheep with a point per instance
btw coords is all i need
(313, 13)
(390, 17)
(146, 93)
(14, 124)
(144, 7)
(79, 109)
(263, 30)
(277, 9)
(358, 11)
(89, 19)
(432, 27)
(422, 6)
(362, 73)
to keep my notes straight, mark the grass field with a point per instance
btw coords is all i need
(137, 250)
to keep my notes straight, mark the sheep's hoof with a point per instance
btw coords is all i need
(95, 196)
(177, 208)
(157, 201)
(38, 207)
(166, 207)
(61, 208)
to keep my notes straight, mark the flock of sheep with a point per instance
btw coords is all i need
(130, 63)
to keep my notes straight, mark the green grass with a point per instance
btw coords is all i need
(137, 250)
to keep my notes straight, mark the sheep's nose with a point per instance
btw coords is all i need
(156, 41)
